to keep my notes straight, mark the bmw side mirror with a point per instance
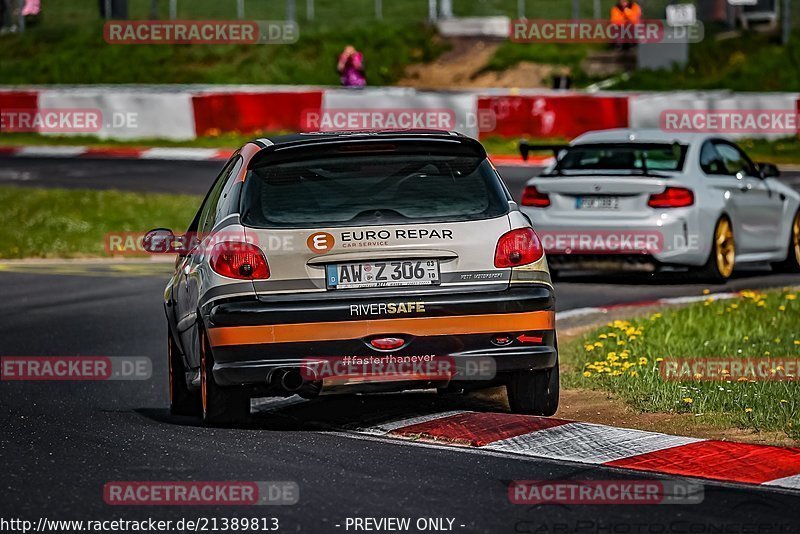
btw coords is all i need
(159, 241)
(768, 170)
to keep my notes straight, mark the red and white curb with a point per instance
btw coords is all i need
(184, 154)
(588, 443)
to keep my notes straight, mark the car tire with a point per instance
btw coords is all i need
(534, 392)
(221, 406)
(792, 262)
(721, 259)
(182, 400)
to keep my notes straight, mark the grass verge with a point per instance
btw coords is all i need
(73, 223)
(624, 358)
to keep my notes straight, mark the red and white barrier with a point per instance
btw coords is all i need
(187, 112)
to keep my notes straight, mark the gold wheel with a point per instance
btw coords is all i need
(724, 248)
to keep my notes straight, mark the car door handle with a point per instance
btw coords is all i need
(746, 188)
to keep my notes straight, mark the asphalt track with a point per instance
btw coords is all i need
(62, 441)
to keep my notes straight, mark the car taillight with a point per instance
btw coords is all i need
(535, 198)
(244, 261)
(518, 247)
(672, 197)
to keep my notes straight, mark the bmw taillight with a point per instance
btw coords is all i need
(672, 197)
(244, 261)
(535, 198)
(518, 247)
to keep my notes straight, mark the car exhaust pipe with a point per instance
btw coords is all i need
(290, 379)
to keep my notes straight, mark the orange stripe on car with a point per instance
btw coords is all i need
(416, 326)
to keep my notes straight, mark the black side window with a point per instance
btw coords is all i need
(209, 212)
(734, 159)
(710, 160)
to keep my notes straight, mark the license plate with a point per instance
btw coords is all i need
(382, 274)
(597, 203)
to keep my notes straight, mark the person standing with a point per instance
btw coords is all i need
(351, 68)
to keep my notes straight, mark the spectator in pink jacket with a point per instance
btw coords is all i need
(351, 67)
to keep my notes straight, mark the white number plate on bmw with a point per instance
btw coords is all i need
(597, 203)
(382, 274)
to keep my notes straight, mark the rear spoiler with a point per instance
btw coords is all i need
(525, 148)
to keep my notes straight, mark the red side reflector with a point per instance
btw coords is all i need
(672, 197)
(387, 343)
(534, 198)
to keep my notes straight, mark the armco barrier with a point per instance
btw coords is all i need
(253, 112)
(187, 111)
(130, 113)
(542, 116)
(646, 108)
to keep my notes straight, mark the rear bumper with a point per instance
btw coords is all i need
(251, 339)
(667, 237)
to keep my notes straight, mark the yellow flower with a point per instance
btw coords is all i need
(791, 296)
(706, 291)
(782, 308)
(587, 374)
(598, 344)
(746, 338)
(748, 410)
(688, 400)
(659, 360)
(602, 336)
(784, 401)
(642, 361)
(634, 373)
(620, 342)
(589, 348)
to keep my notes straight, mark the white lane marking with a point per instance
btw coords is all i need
(19, 176)
(51, 151)
(385, 428)
(792, 482)
(180, 153)
(272, 404)
(589, 443)
(578, 312)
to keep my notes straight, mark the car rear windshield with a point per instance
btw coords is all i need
(637, 159)
(372, 189)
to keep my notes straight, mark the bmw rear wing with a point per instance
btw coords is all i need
(525, 148)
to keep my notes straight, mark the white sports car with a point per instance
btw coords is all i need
(648, 200)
